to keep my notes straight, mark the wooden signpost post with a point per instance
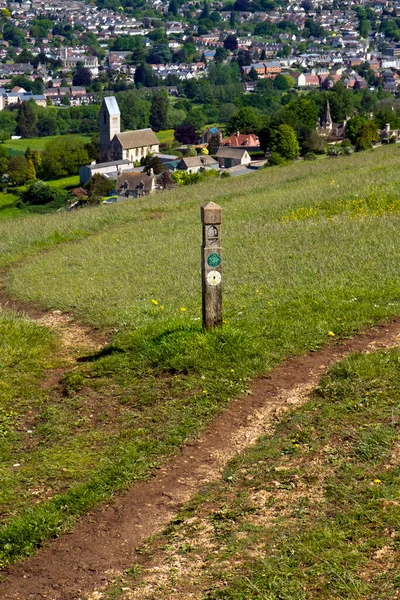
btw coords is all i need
(211, 267)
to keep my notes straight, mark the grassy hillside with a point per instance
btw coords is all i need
(310, 255)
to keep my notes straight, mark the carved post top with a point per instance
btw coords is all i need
(211, 214)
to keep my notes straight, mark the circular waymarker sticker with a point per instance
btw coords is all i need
(213, 278)
(214, 260)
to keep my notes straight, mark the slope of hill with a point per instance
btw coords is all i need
(310, 255)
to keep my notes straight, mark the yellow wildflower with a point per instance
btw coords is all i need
(182, 309)
(331, 333)
(153, 301)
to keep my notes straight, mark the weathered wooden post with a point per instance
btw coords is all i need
(211, 267)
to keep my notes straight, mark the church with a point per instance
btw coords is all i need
(130, 145)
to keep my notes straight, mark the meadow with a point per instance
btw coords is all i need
(16, 147)
(310, 255)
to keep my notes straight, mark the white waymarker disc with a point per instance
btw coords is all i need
(213, 278)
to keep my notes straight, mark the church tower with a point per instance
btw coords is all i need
(327, 122)
(110, 124)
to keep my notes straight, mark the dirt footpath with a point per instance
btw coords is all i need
(103, 543)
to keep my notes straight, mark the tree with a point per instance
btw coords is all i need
(152, 162)
(284, 82)
(82, 77)
(230, 42)
(220, 55)
(26, 121)
(159, 110)
(165, 180)
(144, 76)
(245, 120)
(39, 193)
(253, 75)
(97, 187)
(3, 160)
(63, 156)
(367, 135)
(364, 28)
(135, 110)
(173, 7)
(185, 134)
(315, 143)
(21, 170)
(283, 140)
(354, 126)
(47, 125)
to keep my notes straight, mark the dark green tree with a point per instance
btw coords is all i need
(26, 121)
(173, 7)
(3, 160)
(159, 110)
(82, 77)
(144, 76)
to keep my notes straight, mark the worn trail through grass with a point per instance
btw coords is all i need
(104, 544)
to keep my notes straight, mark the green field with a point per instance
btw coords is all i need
(310, 254)
(166, 136)
(39, 143)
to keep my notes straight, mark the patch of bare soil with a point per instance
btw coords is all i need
(103, 544)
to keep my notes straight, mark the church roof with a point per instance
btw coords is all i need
(111, 105)
(138, 138)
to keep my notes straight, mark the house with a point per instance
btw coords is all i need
(240, 140)
(232, 157)
(114, 145)
(196, 164)
(110, 170)
(135, 185)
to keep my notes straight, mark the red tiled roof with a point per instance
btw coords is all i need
(240, 140)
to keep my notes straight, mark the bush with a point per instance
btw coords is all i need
(276, 159)
(335, 151)
(363, 144)
(310, 156)
(39, 194)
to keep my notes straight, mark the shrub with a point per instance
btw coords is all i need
(310, 156)
(276, 159)
(39, 194)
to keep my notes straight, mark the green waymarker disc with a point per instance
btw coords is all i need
(214, 260)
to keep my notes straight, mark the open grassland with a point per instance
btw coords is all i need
(310, 253)
(311, 512)
(16, 147)
(166, 136)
